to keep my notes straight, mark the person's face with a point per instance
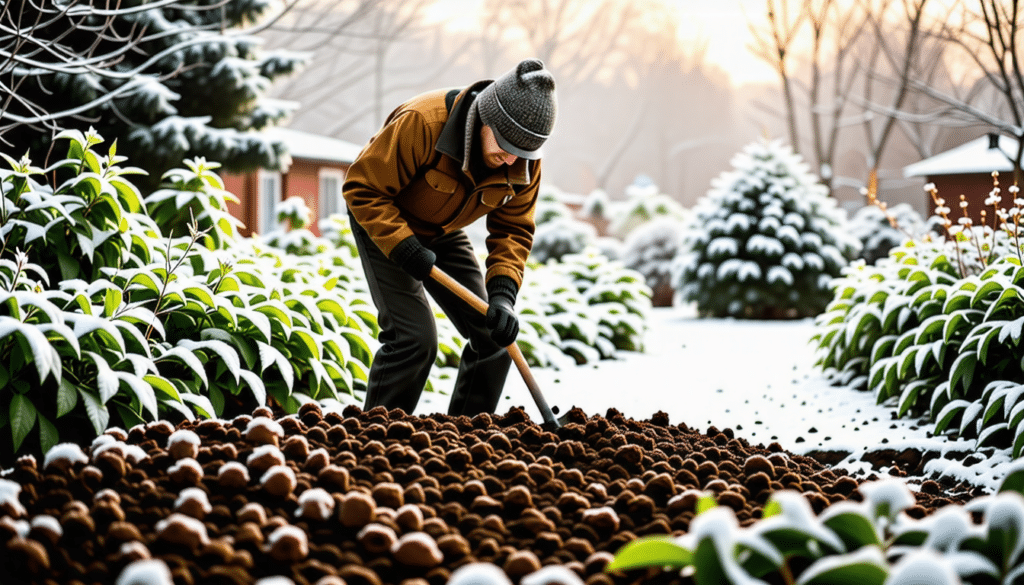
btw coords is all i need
(494, 156)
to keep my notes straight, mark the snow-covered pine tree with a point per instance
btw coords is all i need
(175, 81)
(765, 241)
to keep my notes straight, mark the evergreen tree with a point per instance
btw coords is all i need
(182, 79)
(765, 241)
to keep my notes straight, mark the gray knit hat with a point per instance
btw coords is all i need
(520, 108)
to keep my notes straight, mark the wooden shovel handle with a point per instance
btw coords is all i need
(513, 350)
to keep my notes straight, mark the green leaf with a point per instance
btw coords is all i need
(217, 400)
(850, 524)
(67, 398)
(142, 389)
(106, 381)
(650, 551)
(200, 404)
(963, 370)
(708, 568)
(705, 502)
(201, 294)
(311, 345)
(45, 357)
(99, 416)
(1014, 480)
(866, 566)
(48, 434)
(948, 413)
(111, 301)
(23, 418)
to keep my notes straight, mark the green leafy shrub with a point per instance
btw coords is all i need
(765, 242)
(585, 307)
(865, 543)
(106, 320)
(936, 329)
(644, 202)
(558, 233)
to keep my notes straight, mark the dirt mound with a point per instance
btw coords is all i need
(381, 497)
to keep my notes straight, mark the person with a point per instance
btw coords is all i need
(441, 161)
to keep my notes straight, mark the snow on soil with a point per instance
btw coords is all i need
(756, 377)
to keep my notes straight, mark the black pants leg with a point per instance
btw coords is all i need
(408, 334)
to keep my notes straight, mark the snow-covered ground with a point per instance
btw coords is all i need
(755, 377)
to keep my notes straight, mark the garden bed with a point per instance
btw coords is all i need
(404, 497)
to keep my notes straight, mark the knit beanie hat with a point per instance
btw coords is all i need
(520, 108)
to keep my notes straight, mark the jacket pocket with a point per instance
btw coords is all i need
(497, 196)
(433, 198)
(441, 182)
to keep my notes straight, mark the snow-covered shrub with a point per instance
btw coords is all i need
(609, 247)
(105, 320)
(643, 203)
(650, 249)
(870, 224)
(292, 233)
(557, 233)
(935, 329)
(553, 239)
(598, 209)
(765, 242)
(871, 541)
(585, 306)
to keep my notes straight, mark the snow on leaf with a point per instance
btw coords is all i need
(887, 497)
(45, 357)
(223, 350)
(187, 358)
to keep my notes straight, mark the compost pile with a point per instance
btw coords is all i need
(365, 498)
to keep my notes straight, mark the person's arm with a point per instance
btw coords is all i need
(384, 167)
(510, 233)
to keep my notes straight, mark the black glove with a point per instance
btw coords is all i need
(501, 319)
(414, 257)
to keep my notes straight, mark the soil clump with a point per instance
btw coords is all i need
(381, 497)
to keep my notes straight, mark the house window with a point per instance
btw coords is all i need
(268, 196)
(330, 192)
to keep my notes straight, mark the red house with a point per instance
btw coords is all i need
(967, 170)
(317, 170)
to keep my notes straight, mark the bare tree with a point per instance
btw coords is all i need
(898, 43)
(367, 51)
(578, 40)
(989, 35)
(773, 44)
(830, 23)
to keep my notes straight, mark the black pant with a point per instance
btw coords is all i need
(408, 334)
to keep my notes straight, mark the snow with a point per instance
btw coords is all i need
(64, 456)
(754, 377)
(972, 157)
(9, 493)
(305, 145)
(146, 572)
(316, 503)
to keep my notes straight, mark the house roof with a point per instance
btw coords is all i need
(971, 157)
(309, 146)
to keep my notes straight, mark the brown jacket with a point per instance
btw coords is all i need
(409, 180)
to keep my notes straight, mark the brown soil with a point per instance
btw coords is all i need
(492, 488)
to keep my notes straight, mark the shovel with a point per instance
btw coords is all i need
(550, 422)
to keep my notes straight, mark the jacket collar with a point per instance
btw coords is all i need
(459, 130)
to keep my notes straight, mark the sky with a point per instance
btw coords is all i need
(721, 24)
